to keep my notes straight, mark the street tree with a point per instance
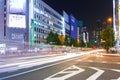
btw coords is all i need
(50, 38)
(61, 39)
(107, 38)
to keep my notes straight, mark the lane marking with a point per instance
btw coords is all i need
(116, 70)
(104, 62)
(70, 71)
(118, 78)
(118, 62)
(98, 61)
(96, 75)
(90, 61)
(32, 70)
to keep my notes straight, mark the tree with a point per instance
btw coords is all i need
(56, 39)
(73, 42)
(107, 38)
(67, 41)
(50, 37)
(62, 39)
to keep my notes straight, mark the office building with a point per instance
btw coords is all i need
(28, 22)
(66, 24)
(116, 21)
(73, 22)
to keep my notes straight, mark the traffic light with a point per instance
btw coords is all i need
(95, 41)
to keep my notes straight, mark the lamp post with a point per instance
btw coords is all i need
(109, 21)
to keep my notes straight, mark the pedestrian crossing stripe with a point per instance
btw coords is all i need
(96, 75)
(74, 70)
(70, 71)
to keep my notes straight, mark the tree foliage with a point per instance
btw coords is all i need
(107, 38)
(54, 38)
(62, 39)
(50, 38)
(67, 41)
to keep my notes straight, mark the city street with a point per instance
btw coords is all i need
(95, 66)
(59, 40)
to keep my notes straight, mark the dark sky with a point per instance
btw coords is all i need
(87, 10)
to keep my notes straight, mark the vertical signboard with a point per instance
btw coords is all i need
(74, 27)
(17, 6)
(17, 20)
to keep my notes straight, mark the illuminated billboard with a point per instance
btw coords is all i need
(17, 6)
(74, 27)
(16, 34)
(17, 21)
(17, 16)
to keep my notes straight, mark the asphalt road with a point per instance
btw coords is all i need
(89, 67)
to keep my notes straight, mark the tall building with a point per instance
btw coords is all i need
(116, 21)
(116, 18)
(73, 26)
(42, 20)
(66, 24)
(28, 21)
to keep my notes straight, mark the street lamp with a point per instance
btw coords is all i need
(109, 21)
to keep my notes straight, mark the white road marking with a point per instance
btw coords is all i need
(90, 61)
(96, 75)
(118, 62)
(118, 78)
(70, 71)
(79, 60)
(116, 70)
(104, 62)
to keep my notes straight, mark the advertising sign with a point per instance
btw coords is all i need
(17, 6)
(17, 18)
(74, 27)
(16, 34)
(17, 21)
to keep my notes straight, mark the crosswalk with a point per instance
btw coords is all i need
(108, 62)
(73, 70)
(70, 71)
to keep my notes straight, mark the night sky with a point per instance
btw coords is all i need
(87, 10)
